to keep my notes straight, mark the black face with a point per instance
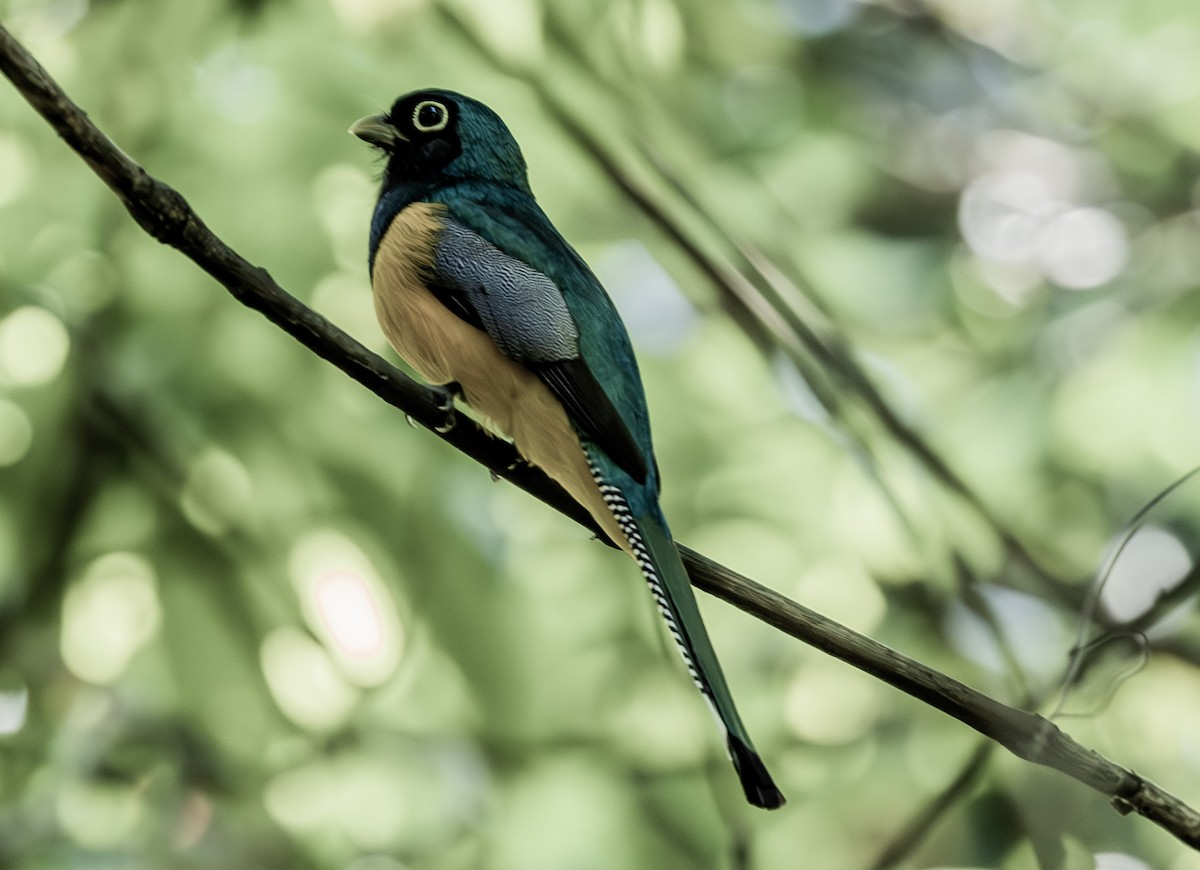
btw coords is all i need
(426, 126)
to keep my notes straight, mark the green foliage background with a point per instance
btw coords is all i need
(951, 351)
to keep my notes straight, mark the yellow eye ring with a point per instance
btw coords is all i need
(427, 121)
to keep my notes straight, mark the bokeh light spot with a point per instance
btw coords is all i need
(303, 681)
(661, 33)
(347, 606)
(1001, 214)
(108, 615)
(1033, 631)
(831, 705)
(1084, 248)
(33, 347)
(1152, 563)
(16, 433)
(218, 493)
(349, 611)
(373, 808)
(98, 816)
(843, 590)
(14, 708)
(1023, 212)
(354, 793)
(304, 797)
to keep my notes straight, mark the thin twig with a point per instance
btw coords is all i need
(164, 213)
(911, 836)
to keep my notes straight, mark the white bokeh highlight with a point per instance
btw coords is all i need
(1025, 211)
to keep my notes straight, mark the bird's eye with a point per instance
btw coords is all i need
(429, 116)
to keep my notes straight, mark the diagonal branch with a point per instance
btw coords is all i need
(164, 214)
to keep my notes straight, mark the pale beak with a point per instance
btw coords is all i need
(376, 130)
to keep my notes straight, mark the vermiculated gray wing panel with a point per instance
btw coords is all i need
(524, 314)
(519, 307)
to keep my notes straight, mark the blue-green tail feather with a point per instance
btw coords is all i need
(658, 559)
(672, 591)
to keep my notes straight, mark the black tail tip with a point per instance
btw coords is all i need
(760, 789)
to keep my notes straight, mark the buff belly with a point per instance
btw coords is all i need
(444, 348)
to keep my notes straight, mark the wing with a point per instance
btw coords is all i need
(524, 313)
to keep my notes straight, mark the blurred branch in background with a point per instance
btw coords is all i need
(761, 316)
(778, 310)
(910, 837)
(163, 213)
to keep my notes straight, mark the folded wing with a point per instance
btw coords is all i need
(524, 314)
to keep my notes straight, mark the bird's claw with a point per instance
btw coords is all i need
(447, 393)
(446, 396)
(519, 463)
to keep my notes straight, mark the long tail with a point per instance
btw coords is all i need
(661, 566)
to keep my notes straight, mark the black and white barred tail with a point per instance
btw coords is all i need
(651, 546)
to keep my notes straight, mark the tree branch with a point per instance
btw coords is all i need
(166, 215)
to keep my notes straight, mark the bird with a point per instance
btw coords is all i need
(480, 294)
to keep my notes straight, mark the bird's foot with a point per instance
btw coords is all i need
(447, 393)
(519, 462)
(446, 396)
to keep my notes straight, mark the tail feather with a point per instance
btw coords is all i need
(651, 546)
(672, 590)
(756, 782)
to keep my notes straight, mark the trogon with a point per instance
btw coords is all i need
(478, 292)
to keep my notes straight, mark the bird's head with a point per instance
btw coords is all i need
(435, 135)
